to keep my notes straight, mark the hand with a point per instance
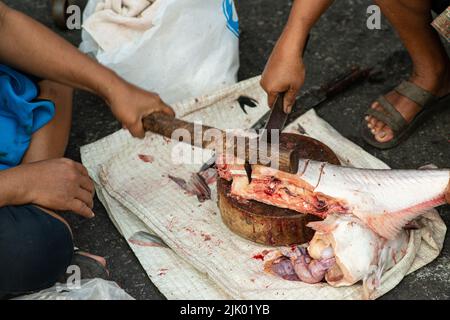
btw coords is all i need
(59, 184)
(131, 104)
(284, 73)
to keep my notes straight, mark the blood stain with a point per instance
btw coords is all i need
(146, 158)
(206, 237)
(258, 256)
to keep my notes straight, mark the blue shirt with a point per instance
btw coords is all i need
(21, 114)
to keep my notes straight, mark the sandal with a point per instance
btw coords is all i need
(394, 119)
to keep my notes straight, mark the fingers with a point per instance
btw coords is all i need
(289, 100)
(271, 93)
(271, 98)
(87, 184)
(81, 169)
(137, 129)
(86, 197)
(79, 207)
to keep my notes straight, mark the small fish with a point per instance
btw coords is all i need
(145, 239)
(195, 186)
(209, 175)
(300, 129)
(247, 101)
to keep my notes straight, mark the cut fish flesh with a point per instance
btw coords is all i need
(384, 200)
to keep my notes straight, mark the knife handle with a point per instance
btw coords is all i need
(165, 125)
(342, 82)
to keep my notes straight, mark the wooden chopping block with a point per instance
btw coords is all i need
(253, 220)
(266, 224)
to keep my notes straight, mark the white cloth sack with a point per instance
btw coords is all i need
(143, 190)
(177, 48)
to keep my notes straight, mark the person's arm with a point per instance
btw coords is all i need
(285, 72)
(31, 47)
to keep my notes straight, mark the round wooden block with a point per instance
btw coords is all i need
(266, 224)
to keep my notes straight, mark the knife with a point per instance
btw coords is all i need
(311, 99)
(277, 118)
(315, 96)
(276, 121)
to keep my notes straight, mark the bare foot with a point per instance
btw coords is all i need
(99, 259)
(438, 83)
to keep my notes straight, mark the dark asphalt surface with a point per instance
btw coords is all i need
(340, 40)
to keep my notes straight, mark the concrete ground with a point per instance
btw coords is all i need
(340, 40)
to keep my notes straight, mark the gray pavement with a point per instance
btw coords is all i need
(340, 40)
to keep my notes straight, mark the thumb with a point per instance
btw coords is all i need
(168, 110)
(137, 129)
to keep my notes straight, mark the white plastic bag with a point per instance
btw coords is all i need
(189, 48)
(89, 289)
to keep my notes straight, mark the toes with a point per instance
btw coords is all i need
(99, 259)
(379, 126)
(384, 135)
(369, 121)
(373, 122)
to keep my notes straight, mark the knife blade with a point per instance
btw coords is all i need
(276, 121)
(277, 118)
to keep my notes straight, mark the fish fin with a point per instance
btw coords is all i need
(388, 225)
(324, 226)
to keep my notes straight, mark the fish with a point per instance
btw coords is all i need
(360, 254)
(145, 239)
(384, 200)
(196, 185)
(343, 252)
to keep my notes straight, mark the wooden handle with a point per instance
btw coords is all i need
(165, 125)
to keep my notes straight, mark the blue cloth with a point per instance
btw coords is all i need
(20, 115)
